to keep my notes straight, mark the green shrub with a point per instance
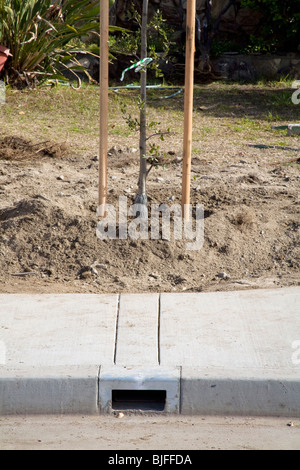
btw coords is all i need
(37, 33)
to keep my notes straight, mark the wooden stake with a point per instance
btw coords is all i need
(104, 76)
(188, 104)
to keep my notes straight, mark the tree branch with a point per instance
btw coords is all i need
(159, 133)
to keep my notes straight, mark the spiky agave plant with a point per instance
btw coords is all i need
(37, 33)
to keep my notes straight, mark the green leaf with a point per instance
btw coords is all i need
(72, 28)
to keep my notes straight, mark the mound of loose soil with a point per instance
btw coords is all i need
(17, 148)
(48, 222)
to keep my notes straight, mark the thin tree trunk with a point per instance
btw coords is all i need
(104, 78)
(142, 195)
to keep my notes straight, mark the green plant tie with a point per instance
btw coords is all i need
(137, 66)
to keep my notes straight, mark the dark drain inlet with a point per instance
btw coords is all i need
(146, 400)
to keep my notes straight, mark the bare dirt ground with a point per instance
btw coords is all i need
(244, 173)
(48, 244)
(148, 432)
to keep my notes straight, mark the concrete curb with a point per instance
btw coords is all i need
(57, 390)
(217, 353)
(79, 390)
(232, 395)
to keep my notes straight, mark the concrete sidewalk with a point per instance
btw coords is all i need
(204, 353)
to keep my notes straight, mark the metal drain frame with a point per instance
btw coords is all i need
(139, 379)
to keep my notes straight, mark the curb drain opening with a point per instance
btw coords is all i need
(144, 400)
